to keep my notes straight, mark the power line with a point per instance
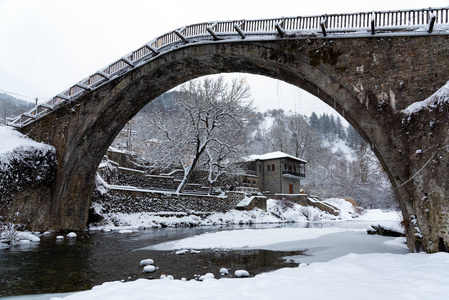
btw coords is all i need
(17, 94)
(17, 82)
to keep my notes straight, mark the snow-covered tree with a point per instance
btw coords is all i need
(207, 129)
(300, 135)
(278, 135)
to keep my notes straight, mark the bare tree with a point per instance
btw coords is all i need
(300, 135)
(206, 129)
(277, 135)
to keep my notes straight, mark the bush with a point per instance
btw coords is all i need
(26, 167)
(285, 204)
(8, 233)
(311, 214)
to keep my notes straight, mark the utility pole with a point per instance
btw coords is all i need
(129, 137)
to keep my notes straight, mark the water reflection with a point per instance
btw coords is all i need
(45, 266)
(54, 266)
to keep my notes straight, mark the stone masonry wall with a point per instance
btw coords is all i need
(136, 178)
(123, 201)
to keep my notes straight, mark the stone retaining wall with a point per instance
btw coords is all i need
(130, 177)
(125, 201)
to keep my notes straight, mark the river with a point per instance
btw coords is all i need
(94, 257)
(54, 266)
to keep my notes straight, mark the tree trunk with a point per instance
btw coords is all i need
(189, 170)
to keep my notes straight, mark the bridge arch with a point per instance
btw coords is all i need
(367, 80)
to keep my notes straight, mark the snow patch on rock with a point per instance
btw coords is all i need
(241, 273)
(439, 98)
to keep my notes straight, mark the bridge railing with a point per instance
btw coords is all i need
(382, 21)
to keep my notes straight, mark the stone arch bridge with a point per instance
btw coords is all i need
(370, 67)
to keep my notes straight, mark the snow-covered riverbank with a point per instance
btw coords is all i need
(278, 211)
(375, 274)
(383, 268)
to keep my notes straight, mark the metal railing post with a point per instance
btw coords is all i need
(323, 25)
(432, 19)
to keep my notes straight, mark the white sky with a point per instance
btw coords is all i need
(46, 46)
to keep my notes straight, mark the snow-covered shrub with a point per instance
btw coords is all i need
(26, 167)
(8, 233)
(285, 204)
(310, 213)
(107, 170)
(306, 212)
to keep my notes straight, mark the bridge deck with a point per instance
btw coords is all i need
(418, 21)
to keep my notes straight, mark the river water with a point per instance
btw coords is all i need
(61, 266)
(56, 266)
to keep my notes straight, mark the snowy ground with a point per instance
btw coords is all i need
(367, 276)
(12, 139)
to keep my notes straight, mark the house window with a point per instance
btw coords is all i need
(270, 168)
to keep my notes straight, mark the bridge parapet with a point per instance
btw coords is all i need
(417, 21)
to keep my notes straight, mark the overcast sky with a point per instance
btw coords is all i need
(46, 46)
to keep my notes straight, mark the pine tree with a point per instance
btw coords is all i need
(314, 121)
(353, 137)
(341, 133)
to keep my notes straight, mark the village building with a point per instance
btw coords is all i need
(274, 173)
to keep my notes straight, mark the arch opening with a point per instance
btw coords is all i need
(339, 162)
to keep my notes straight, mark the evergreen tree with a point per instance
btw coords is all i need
(341, 133)
(332, 134)
(325, 125)
(314, 121)
(353, 138)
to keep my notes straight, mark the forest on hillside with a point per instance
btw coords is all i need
(11, 107)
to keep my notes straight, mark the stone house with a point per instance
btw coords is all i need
(274, 173)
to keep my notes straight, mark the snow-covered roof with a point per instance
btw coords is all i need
(272, 155)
